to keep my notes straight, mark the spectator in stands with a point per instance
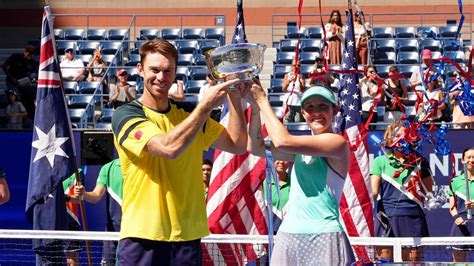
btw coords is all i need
(122, 93)
(396, 186)
(206, 173)
(417, 77)
(216, 112)
(4, 191)
(160, 149)
(320, 167)
(293, 86)
(395, 95)
(15, 111)
(459, 203)
(176, 91)
(368, 90)
(279, 200)
(21, 71)
(97, 67)
(323, 78)
(72, 68)
(362, 32)
(434, 93)
(460, 120)
(335, 37)
(110, 181)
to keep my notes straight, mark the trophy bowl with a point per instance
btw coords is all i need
(242, 60)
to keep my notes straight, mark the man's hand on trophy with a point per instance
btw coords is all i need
(216, 94)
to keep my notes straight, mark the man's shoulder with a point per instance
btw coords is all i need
(125, 113)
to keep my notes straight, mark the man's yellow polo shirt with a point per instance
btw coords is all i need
(162, 198)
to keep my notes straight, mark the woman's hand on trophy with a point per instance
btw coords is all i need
(257, 93)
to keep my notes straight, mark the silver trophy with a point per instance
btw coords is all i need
(242, 60)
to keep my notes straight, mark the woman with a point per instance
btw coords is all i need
(399, 210)
(460, 120)
(294, 87)
(335, 37)
(362, 35)
(434, 93)
(457, 205)
(368, 90)
(97, 67)
(396, 88)
(317, 179)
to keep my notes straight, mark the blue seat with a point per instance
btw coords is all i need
(407, 45)
(182, 73)
(308, 45)
(194, 86)
(451, 45)
(200, 60)
(285, 57)
(199, 73)
(171, 34)
(118, 34)
(90, 87)
(315, 33)
(448, 31)
(432, 45)
(106, 115)
(383, 32)
(74, 34)
(61, 45)
(276, 85)
(408, 70)
(450, 69)
(408, 58)
(456, 56)
(426, 32)
(111, 47)
(97, 34)
(306, 69)
(187, 46)
(288, 45)
(382, 70)
(385, 58)
(192, 34)
(79, 101)
(185, 59)
(206, 45)
(279, 71)
(308, 57)
(133, 60)
(133, 74)
(86, 58)
(389, 45)
(150, 34)
(405, 32)
(436, 55)
(88, 47)
(292, 32)
(70, 87)
(137, 45)
(78, 117)
(215, 33)
(59, 34)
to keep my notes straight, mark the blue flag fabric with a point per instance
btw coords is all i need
(52, 153)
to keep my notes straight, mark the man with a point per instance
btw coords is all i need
(160, 149)
(323, 78)
(206, 173)
(72, 69)
(110, 180)
(4, 191)
(122, 92)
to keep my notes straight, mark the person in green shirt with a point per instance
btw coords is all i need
(279, 201)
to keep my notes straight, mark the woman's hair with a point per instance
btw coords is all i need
(339, 21)
(391, 131)
(366, 69)
(465, 151)
(392, 69)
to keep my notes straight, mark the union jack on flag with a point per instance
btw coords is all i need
(356, 201)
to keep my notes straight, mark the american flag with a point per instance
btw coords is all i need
(52, 153)
(356, 200)
(235, 202)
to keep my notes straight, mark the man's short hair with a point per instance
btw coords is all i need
(207, 161)
(30, 49)
(160, 46)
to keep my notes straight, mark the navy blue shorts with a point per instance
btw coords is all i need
(466, 229)
(137, 251)
(403, 226)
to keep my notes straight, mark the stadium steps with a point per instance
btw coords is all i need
(267, 71)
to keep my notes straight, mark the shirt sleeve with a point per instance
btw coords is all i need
(102, 178)
(377, 167)
(212, 131)
(451, 188)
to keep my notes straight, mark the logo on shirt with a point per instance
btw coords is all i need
(138, 135)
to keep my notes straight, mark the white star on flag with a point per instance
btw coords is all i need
(346, 54)
(348, 118)
(349, 80)
(351, 107)
(48, 145)
(355, 96)
(350, 43)
(345, 92)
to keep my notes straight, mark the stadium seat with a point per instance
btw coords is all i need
(275, 99)
(288, 45)
(306, 69)
(405, 32)
(408, 70)
(182, 73)
(292, 32)
(427, 32)
(407, 45)
(448, 31)
(111, 47)
(74, 34)
(61, 45)
(385, 58)
(97, 34)
(382, 32)
(275, 85)
(386, 45)
(192, 34)
(278, 110)
(315, 33)
(133, 60)
(59, 34)
(308, 57)
(171, 34)
(451, 45)
(90, 87)
(199, 73)
(78, 117)
(118, 34)
(137, 45)
(106, 115)
(435, 55)
(185, 59)
(133, 74)
(193, 86)
(382, 70)
(279, 71)
(150, 34)
(285, 58)
(86, 58)
(215, 33)
(70, 87)
(432, 45)
(111, 59)
(205, 45)
(187, 46)
(456, 56)
(308, 45)
(79, 101)
(88, 47)
(200, 60)
(408, 58)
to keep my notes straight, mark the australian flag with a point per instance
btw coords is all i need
(52, 153)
